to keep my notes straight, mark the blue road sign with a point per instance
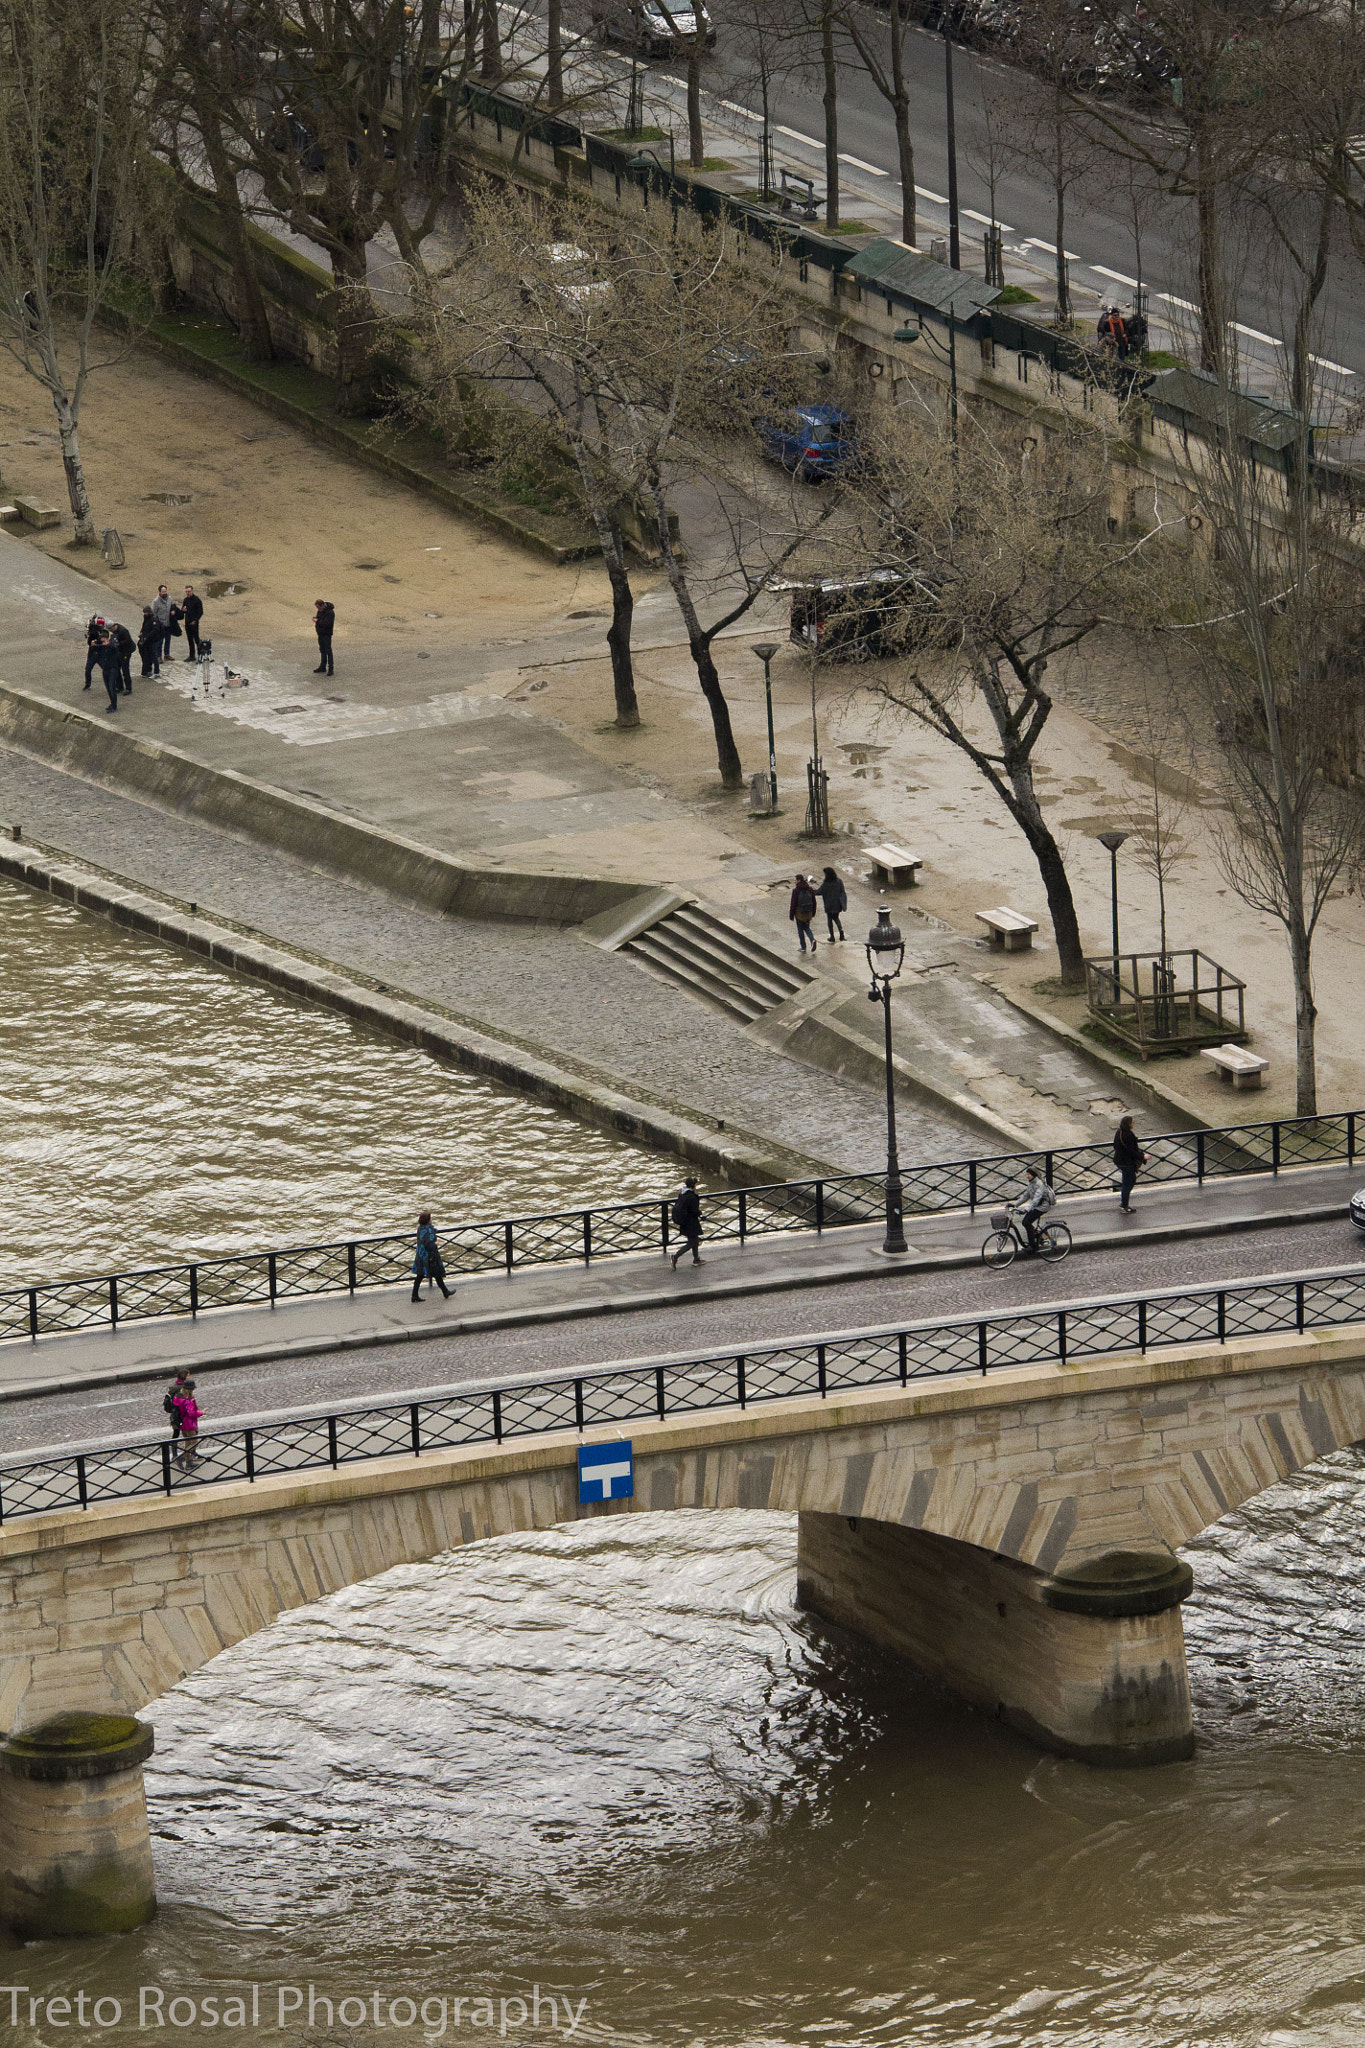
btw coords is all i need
(605, 1472)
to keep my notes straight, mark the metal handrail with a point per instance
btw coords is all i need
(614, 1230)
(608, 1396)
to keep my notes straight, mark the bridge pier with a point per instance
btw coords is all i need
(75, 1848)
(1090, 1662)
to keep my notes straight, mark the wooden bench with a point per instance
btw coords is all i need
(893, 866)
(1008, 929)
(1244, 1069)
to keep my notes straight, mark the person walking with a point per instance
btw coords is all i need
(127, 647)
(686, 1215)
(177, 1388)
(1129, 1158)
(111, 667)
(161, 612)
(149, 643)
(191, 1415)
(192, 611)
(426, 1264)
(802, 911)
(834, 896)
(94, 634)
(324, 624)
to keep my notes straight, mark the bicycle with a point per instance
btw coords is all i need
(1007, 1240)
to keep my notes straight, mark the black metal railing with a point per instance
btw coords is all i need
(611, 1230)
(613, 1395)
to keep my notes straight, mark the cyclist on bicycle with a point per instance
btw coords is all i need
(1037, 1200)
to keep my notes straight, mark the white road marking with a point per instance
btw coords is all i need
(1172, 300)
(795, 135)
(1337, 369)
(987, 222)
(1255, 334)
(858, 165)
(934, 198)
(746, 112)
(1117, 275)
(1051, 247)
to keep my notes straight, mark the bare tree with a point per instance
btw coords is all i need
(1162, 841)
(882, 52)
(998, 547)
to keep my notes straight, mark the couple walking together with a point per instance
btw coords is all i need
(806, 899)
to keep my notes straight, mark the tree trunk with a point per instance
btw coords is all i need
(1063, 276)
(554, 53)
(1305, 1021)
(354, 318)
(696, 153)
(75, 470)
(699, 646)
(831, 117)
(1212, 335)
(252, 317)
(905, 155)
(1061, 908)
(490, 52)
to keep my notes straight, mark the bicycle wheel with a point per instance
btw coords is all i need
(1054, 1241)
(999, 1248)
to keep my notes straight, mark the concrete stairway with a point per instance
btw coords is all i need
(718, 961)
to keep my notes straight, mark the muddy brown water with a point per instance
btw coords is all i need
(153, 1106)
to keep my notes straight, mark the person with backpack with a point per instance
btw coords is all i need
(802, 910)
(1129, 1158)
(1037, 1200)
(834, 896)
(427, 1264)
(190, 1414)
(177, 1388)
(686, 1216)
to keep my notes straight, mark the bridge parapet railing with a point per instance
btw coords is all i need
(616, 1395)
(618, 1229)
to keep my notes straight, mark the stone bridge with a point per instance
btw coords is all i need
(1012, 1535)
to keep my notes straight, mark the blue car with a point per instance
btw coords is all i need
(812, 441)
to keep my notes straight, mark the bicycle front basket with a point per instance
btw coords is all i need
(1000, 1219)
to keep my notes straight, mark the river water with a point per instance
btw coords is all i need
(613, 1762)
(154, 1106)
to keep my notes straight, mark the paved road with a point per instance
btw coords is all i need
(691, 1325)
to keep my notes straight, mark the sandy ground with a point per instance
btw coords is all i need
(204, 487)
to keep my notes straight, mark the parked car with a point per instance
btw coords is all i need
(648, 29)
(1358, 1209)
(848, 618)
(813, 441)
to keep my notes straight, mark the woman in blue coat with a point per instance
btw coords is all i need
(427, 1264)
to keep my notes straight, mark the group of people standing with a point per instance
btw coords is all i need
(807, 897)
(109, 646)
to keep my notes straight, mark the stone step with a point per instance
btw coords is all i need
(667, 958)
(716, 960)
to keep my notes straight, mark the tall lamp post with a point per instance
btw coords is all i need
(765, 650)
(1113, 840)
(885, 953)
(907, 335)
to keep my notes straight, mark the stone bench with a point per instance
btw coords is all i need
(1244, 1069)
(34, 514)
(893, 866)
(1008, 928)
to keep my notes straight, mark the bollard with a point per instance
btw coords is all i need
(75, 1849)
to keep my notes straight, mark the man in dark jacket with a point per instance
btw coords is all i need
(192, 611)
(1128, 1157)
(127, 648)
(149, 643)
(324, 624)
(834, 896)
(111, 667)
(687, 1220)
(801, 911)
(94, 633)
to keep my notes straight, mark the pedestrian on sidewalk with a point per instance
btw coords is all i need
(426, 1264)
(161, 612)
(324, 624)
(834, 896)
(1129, 1158)
(177, 1388)
(111, 667)
(802, 911)
(127, 647)
(94, 634)
(192, 611)
(191, 1414)
(149, 643)
(686, 1214)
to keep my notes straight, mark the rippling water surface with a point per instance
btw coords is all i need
(611, 1760)
(152, 1106)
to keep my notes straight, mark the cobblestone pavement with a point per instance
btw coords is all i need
(390, 1371)
(537, 985)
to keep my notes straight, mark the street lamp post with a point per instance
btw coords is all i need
(908, 335)
(885, 953)
(1113, 840)
(765, 650)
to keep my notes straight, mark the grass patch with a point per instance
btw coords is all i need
(1015, 295)
(848, 227)
(634, 135)
(1161, 359)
